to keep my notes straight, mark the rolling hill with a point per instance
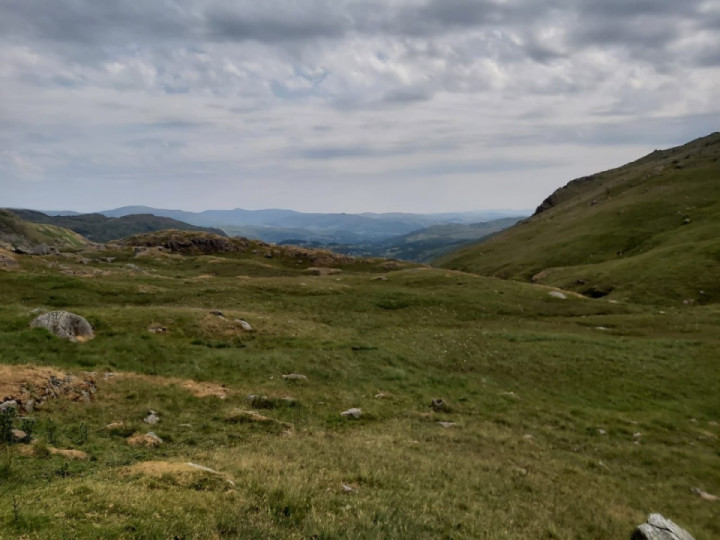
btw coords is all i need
(17, 232)
(99, 228)
(648, 231)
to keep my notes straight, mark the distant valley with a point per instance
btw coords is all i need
(415, 237)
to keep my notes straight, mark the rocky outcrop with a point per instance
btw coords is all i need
(659, 528)
(65, 325)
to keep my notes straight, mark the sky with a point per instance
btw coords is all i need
(339, 105)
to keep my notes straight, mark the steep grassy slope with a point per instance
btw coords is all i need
(15, 231)
(573, 418)
(648, 231)
(99, 228)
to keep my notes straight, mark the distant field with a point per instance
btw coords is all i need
(573, 418)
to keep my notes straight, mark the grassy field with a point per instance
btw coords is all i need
(573, 418)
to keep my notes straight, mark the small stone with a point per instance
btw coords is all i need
(352, 413)
(637, 435)
(11, 404)
(705, 495)
(147, 439)
(447, 424)
(295, 377)
(19, 435)
(382, 395)
(601, 431)
(438, 404)
(151, 418)
(346, 488)
(557, 294)
(244, 325)
(114, 425)
(29, 405)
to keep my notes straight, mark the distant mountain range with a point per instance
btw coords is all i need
(366, 224)
(418, 237)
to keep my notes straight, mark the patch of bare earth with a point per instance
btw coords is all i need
(31, 386)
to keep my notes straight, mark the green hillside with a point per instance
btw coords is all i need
(98, 228)
(17, 232)
(648, 232)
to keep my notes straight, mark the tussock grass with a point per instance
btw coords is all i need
(529, 381)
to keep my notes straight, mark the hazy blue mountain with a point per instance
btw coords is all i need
(274, 225)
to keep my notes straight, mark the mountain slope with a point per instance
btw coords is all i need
(17, 232)
(648, 231)
(98, 228)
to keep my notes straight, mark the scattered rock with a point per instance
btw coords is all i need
(659, 528)
(352, 413)
(19, 435)
(68, 453)
(22, 250)
(295, 377)
(43, 249)
(115, 425)
(382, 395)
(148, 439)
(439, 404)
(10, 404)
(259, 402)
(380, 278)
(65, 325)
(244, 325)
(26, 388)
(346, 487)
(601, 431)
(7, 261)
(152, 418)
(157, 329)
(637, 435)
(557, 294)
(447, 424)
(705, 495)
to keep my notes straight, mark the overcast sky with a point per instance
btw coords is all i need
(337, 105)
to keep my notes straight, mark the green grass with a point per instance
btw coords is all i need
(529, 380)
(646, 232)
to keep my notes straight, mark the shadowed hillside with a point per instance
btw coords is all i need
(647, 231)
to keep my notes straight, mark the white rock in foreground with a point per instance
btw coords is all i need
(352, 413)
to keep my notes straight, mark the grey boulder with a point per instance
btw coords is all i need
(65, 325)
(660, 528)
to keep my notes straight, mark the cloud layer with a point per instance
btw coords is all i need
(342, 105)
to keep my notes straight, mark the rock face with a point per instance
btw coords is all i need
(659, 528)
(65, 325)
